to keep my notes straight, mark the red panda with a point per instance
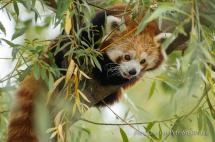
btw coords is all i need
(125, 58)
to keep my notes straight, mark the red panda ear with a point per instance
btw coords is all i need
(151, 28)
(161, 36)
(112, 22)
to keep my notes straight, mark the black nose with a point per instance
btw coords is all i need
(132, 72)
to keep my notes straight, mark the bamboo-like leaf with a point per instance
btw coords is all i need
(77, 97)
(68, 90)
(43, 73)
(70, 70)
(149, 126)
(16, 8)
(160, 132)
(50, 92)
(11, 44)
(18, 33)
(60, 131)
(74, 109)
(97, 63)
(68, 23)
(36, 71)
(153, 135)
(200, 120)
(51, 80)
(83, 96)
(58, 117)
(156, 14)
(123, 135)
(152, 89)
(51, 130)
(53, 134)
(85, 75)
(2, 28)
(211, 128)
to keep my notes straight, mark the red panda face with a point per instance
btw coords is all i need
(134, 54)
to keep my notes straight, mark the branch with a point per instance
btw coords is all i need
(4, 111)
(6, 4)
(121, 124)
(192, 111)
(125, 121)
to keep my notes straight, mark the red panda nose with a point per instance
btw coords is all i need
(132, 72)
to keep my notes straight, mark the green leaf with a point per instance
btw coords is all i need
(43, 73)
(51, 80)
(26, 3)
(153, 135)
(36, 71)
(2, 28)
(149, 126)
(62, 6)
(162, 9)
(18, 33)
(160, 132)
(14, 52)
(200, 119)
(124, 136)
(211, 107)
(16, 8)
(152, 89)
(97, 63)
(211, 128)
(11, 44)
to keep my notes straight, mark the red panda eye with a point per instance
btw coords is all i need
(142, 61)
(127, 57)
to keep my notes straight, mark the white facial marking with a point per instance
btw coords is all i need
(125, 67)
(150, 59)
(114, 53)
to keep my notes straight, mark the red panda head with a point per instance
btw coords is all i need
(133, 54)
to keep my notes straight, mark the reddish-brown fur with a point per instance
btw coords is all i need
(21, 125)
(21, 119)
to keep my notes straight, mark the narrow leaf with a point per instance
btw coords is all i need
(18, 33)
(211, 129)
(97, 63)
(16, 8)
(51, 80)
(124, 136)
(152, 90)
(36, 71)
(57, 82)
(2, 28)
(70, 70)
(68, 23)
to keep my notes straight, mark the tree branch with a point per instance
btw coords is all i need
(6, 4)
(192, 111)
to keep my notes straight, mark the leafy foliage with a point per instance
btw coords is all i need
(178, 99)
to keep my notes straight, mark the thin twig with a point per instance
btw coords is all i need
(133, 123)
(192, 111)
(4, 111)
(125, 120)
